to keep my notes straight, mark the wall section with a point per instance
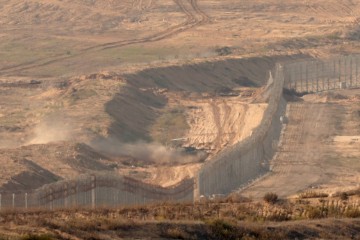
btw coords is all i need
(249, 159)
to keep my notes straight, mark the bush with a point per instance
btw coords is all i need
(355, 191)
(223, 51)
(312, 194)
(314, 213)
(278, 217)
(270, 197)
(176, 233)
(222, 230)
(352, 213)
(344, 196)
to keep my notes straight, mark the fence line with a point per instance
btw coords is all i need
(247, 160)
(96, 191)
(317, 76)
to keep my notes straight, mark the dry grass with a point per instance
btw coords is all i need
(313, 194)
(188, 221)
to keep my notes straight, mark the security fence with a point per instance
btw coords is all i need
(247, 160)
(316, 76)
(96, 191)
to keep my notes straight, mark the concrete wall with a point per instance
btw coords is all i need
(247, 160)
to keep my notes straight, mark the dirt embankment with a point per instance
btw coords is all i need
(201, 108)
(144, 93)
(112, 112)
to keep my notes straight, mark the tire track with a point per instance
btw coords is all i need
(192, 12)
(204, 17)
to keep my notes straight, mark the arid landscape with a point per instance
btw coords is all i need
(154, 90)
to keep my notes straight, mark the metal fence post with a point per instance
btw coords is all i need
(307, 77)
(296, 79)
(301, 78)
(356, 70)
(334, 74)
(339, 71)
(51, 199)
(323, 74)
(13, 200)
(317, 76)
(66, 194)
(93, 187)
(351, 71)
(328, 76)
(345, 69)
(26, 200)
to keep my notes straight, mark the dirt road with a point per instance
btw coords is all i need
(313, 154)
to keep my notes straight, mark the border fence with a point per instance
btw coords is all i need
(97, 191)
(317, 76)
(231, 169)
(238, 165)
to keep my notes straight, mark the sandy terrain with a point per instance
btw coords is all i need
(49, 94)
(320, 147)
(220, 123)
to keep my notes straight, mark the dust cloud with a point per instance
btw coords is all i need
(53, 128)
(144, 151)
